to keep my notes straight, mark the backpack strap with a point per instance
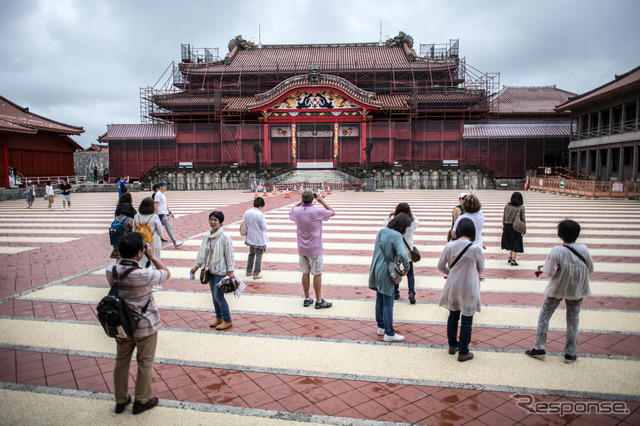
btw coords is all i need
(460, 255)
(116, 282)
(577, 254)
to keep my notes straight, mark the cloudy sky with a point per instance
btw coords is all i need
(82, 62)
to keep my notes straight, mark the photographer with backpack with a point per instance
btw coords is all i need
(135, 285)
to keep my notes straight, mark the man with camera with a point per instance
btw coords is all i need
(135, 290)
(308, 219)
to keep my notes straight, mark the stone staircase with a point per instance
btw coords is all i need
(314, 176)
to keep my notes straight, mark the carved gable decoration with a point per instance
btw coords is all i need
(324, 99)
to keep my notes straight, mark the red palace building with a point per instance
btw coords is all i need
(315, 106)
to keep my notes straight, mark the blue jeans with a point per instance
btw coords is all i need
(384, 313)
(219, 302)
(254, 253)
(465, 331)
(411, 282)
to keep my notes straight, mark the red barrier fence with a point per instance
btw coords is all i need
(587, 188)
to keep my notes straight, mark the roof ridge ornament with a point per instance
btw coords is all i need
(398, 40)
(240, 43)
(314, 74)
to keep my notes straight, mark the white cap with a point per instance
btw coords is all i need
(463, 194)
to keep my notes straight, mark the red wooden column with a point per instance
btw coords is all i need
(5, 165)
(267, 147)
(364, 142)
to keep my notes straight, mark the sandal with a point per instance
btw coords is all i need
(514, 263)
(510, 260)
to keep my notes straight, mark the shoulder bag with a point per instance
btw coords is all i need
(394, 269)
(518, 225)
(243, 229)
(415, 253)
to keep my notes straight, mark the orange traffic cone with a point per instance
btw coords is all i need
(328, 191)
(256, 194)
(286, 195)
(264, 194)
(274, 191)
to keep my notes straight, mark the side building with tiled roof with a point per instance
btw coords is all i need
(326, 105)
(524, 132)
(32, 145)
(606, 123)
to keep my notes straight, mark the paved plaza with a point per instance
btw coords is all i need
(282, 363)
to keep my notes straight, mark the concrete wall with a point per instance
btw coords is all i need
(84, 162)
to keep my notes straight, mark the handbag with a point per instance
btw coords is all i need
(518, 225)
(228, 285)
(204, 276)
(394, 269)
(415, 253)
(449, 235)
(243, 229)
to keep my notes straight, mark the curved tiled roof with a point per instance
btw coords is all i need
(139, 131)
(529, 100)
(329, 57)
(327, 81)
(14, 118)
(620, 83)
(516, 130)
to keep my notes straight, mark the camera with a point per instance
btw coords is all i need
(315, 195)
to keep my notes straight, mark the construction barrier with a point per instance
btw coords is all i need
(586, 188)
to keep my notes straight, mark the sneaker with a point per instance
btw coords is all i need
(64, 210)
(249, 274)
(224, 325)
(141, 408)
(307, 302)
(156, 288)
(568, 359)
(396, 296)
(412, 298)
(257, 276)
(177, 244)
(380, 331)
(216, 323)
(395, 338)
(453, 350)
(120, 407)
(323, 304)
(467, 357)
(536, 353)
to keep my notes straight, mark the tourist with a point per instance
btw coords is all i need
(308, 219)
(49, 193)
(512, 240)
(106, 175)
(122, 224)
(408, 246)
(95, 174)
(216, 256)
(31, 194)
(256, 237)
(66, 189)
(389, 240)
(471, 205)
(569, 267)
(146, 215)
(163, 211)
(462, 262)
(122, 188)
(457, 211)
(135, 290)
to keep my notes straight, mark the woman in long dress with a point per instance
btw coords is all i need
(511, 239)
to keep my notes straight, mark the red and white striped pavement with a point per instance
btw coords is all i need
(283, 363)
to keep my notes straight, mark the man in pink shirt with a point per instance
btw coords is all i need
(308, 219)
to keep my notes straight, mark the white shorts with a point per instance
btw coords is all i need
(310, 264)
(66, 198)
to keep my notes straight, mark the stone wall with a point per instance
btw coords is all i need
(449, 178)
(193, 180)
(84, 163)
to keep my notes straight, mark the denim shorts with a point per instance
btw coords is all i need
(311, 264)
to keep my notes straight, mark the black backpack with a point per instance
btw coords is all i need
(114, 314)
(116, 230)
